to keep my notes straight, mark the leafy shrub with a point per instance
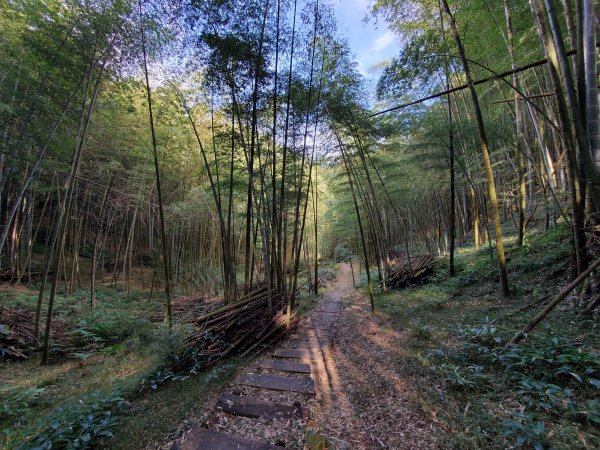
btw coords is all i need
(480, 343)
(17, 402)
(525, 430)
(439, 275)
(189, 363)
(553, 360)
(79, 425)
(170, 346)
(589, 410)
(485, 334)
(158, 378)
(464, 378)
(341, 253)
(172, 352)
(545, 396)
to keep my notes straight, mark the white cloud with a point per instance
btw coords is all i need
(383, 42)
(369, 60)
(362, 4)
(370, 44)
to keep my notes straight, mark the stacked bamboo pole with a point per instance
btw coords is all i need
(241, 327)
(403, 272)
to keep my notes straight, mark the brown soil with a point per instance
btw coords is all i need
(369, 405)
(362, 401)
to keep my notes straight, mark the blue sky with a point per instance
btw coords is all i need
(370, 42)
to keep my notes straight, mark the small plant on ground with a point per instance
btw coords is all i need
(81, 425)
(17, 402)
(464, 378)
(525, 430)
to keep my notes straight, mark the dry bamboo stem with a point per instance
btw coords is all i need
(559, 298)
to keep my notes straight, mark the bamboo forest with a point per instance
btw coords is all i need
(303, 224)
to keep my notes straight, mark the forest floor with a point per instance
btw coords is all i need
(427, 370)
(446, 338)
(361, 401)
(371, 404)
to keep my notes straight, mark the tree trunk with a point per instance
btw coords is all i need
(165, 252)
(60, 236)
(591, 83)
(491, 185)
(522, 197)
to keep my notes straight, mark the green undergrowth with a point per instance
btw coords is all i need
(109, 304)
(112, 382)
(120, 416)
(99, 357)
(540, 394)
(124, 390)
(109, 367)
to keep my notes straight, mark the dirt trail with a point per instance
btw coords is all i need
(369, 405)
(336, 380)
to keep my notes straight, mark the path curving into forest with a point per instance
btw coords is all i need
(334, 383)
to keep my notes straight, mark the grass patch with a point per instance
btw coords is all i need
(540, 394)
(156, 415)
(118, 390)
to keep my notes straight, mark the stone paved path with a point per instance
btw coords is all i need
(307, 352)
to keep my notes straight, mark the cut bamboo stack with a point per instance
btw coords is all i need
(241, 327)
(402, 273)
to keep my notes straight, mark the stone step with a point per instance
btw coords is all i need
(306, 344)
(325, 320)
(287, 366)
(312, 338)
(276, 383)
(320, 330)
(256, 408)
(326, 316)
(296, 353)
(312, 333)
(321, 326)
(204, 439)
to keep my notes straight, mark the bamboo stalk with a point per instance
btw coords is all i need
(559, 298)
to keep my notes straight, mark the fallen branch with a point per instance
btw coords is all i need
(278, 328)
(594, 302)
(251, 296)
(559, 298)
(531, 305)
